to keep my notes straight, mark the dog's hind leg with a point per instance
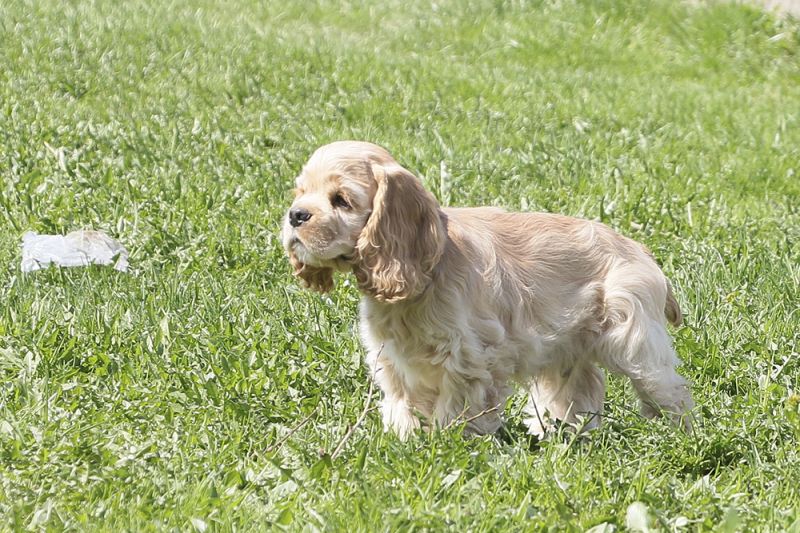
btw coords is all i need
(651, 369)
(636, 344)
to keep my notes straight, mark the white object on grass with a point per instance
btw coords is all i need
(79, 248)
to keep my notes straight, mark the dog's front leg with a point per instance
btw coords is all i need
(469, 399)
(395, 409)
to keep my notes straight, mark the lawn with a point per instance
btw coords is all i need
(205, 390)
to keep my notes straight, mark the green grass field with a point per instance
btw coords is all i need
(206, 391)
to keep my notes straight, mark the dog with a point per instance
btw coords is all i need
(460, 303)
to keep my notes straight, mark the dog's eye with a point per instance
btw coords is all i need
(340, 201)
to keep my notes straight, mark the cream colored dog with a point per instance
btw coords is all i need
(458, 303)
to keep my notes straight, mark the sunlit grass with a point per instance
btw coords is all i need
(174, 397)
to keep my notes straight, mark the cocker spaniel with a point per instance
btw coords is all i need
(458, 303)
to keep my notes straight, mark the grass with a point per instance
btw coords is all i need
(173, 398)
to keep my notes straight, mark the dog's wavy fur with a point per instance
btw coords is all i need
(459, 303)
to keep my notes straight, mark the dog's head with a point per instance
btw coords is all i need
(356, 208)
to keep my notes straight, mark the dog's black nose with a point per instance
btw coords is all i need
(298, 216)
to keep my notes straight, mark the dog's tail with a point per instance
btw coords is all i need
(672, 310)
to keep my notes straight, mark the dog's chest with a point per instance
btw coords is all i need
(411, 333)
(409, 340)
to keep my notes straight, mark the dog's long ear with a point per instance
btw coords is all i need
(315, 278)
(404, 237)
